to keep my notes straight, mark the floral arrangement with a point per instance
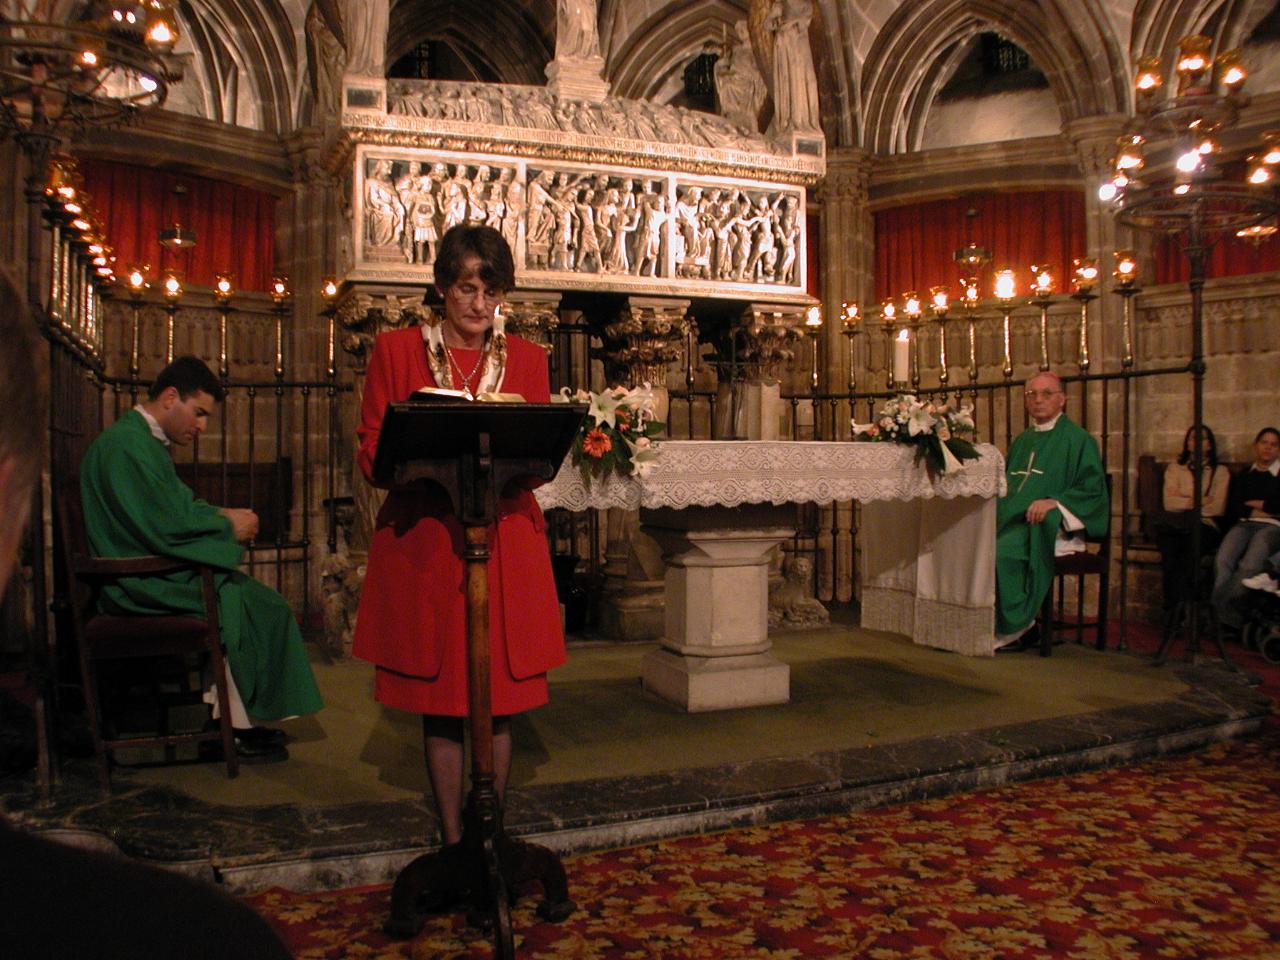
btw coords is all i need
(941, 434)
(618, 433)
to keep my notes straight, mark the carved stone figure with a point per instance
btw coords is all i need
(341, 578)
(790, 604)
(788, 236)
(740, 89)
(795, 83)
(513, 194)
(576, 36)
(325, 54)
(364, 24)
(383, 214)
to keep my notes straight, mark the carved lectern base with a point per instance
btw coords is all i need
(463, 877)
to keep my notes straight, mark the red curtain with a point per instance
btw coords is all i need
(235, 225)
(1229, 257)
(915, 244)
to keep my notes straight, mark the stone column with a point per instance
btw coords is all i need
(751, 408)
(848, 260)
(1094, 140)
(646, 338)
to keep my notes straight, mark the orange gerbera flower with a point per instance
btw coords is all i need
(596, 443)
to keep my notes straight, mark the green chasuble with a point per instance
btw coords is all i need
(1062, 464)
(134, 504)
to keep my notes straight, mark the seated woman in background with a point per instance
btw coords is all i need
(1173, 531)
(1255, 503)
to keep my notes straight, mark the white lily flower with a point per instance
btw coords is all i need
(950, 464)
(603, 407)
(921, 420)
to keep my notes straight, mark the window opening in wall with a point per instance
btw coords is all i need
(439, 60)
(992, 64)
(699, 83)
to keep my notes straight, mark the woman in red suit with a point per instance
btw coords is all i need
(412, 619)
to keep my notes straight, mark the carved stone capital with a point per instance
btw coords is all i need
(1094, 141)
(646, 338)
(767, 334)
(363, 315)
(533, 316)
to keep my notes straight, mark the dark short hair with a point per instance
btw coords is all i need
(187, 374)
(497, 268)
(1210, 447)
(24, 400)
(1264, 431)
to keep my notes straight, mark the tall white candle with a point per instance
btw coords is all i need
(901, 356)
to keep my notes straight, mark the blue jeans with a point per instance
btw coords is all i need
(1244, 551)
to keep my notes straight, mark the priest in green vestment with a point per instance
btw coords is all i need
(1056, 486)
(134, 504)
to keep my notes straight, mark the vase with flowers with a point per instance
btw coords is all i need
(619, 433)
(942, 434)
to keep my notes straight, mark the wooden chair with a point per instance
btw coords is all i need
(1094, 561)
(102, 637)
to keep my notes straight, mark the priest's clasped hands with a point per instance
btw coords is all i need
(244, 523)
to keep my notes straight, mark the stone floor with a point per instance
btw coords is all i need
(873, 719)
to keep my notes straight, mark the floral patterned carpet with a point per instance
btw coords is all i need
(1175, 857)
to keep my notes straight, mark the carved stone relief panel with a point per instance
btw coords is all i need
(578, 225)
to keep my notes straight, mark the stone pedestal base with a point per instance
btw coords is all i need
(578, 79)
(699, 684)
(715, 647)
(634, 613)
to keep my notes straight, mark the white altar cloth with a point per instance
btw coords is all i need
(729, 473)
(928, 545)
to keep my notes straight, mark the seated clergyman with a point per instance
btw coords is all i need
(1056, 487)
(134, 504)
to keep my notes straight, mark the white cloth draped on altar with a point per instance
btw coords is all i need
(729, 473)
(928, 544)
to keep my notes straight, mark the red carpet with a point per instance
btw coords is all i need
(1176, 857)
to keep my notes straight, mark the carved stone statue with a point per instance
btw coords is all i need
(576, 36)
(325, 54)
(795, 83)
(365, 28)
(740, 89)
(383, 213)
(790, 604)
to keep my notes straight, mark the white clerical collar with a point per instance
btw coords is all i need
(1050, 424)
(153, 424)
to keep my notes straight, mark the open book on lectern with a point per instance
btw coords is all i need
(444, 429)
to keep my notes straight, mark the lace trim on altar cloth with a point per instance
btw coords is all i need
(730, 473)
(931, 623)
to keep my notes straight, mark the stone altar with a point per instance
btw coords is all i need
(720, 507)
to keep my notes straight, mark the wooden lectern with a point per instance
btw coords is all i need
(474, 450)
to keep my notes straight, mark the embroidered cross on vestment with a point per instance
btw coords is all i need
(1026, 474)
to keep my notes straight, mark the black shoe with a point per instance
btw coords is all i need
(261, 735)
(248, 751)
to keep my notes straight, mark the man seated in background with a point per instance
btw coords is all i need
(134, 504)
(60, 900)
(1056, 487)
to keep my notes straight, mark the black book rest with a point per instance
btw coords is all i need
(473, 451)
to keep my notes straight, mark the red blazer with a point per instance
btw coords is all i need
(413, 603)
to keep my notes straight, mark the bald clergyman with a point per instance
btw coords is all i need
(1056, 488)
